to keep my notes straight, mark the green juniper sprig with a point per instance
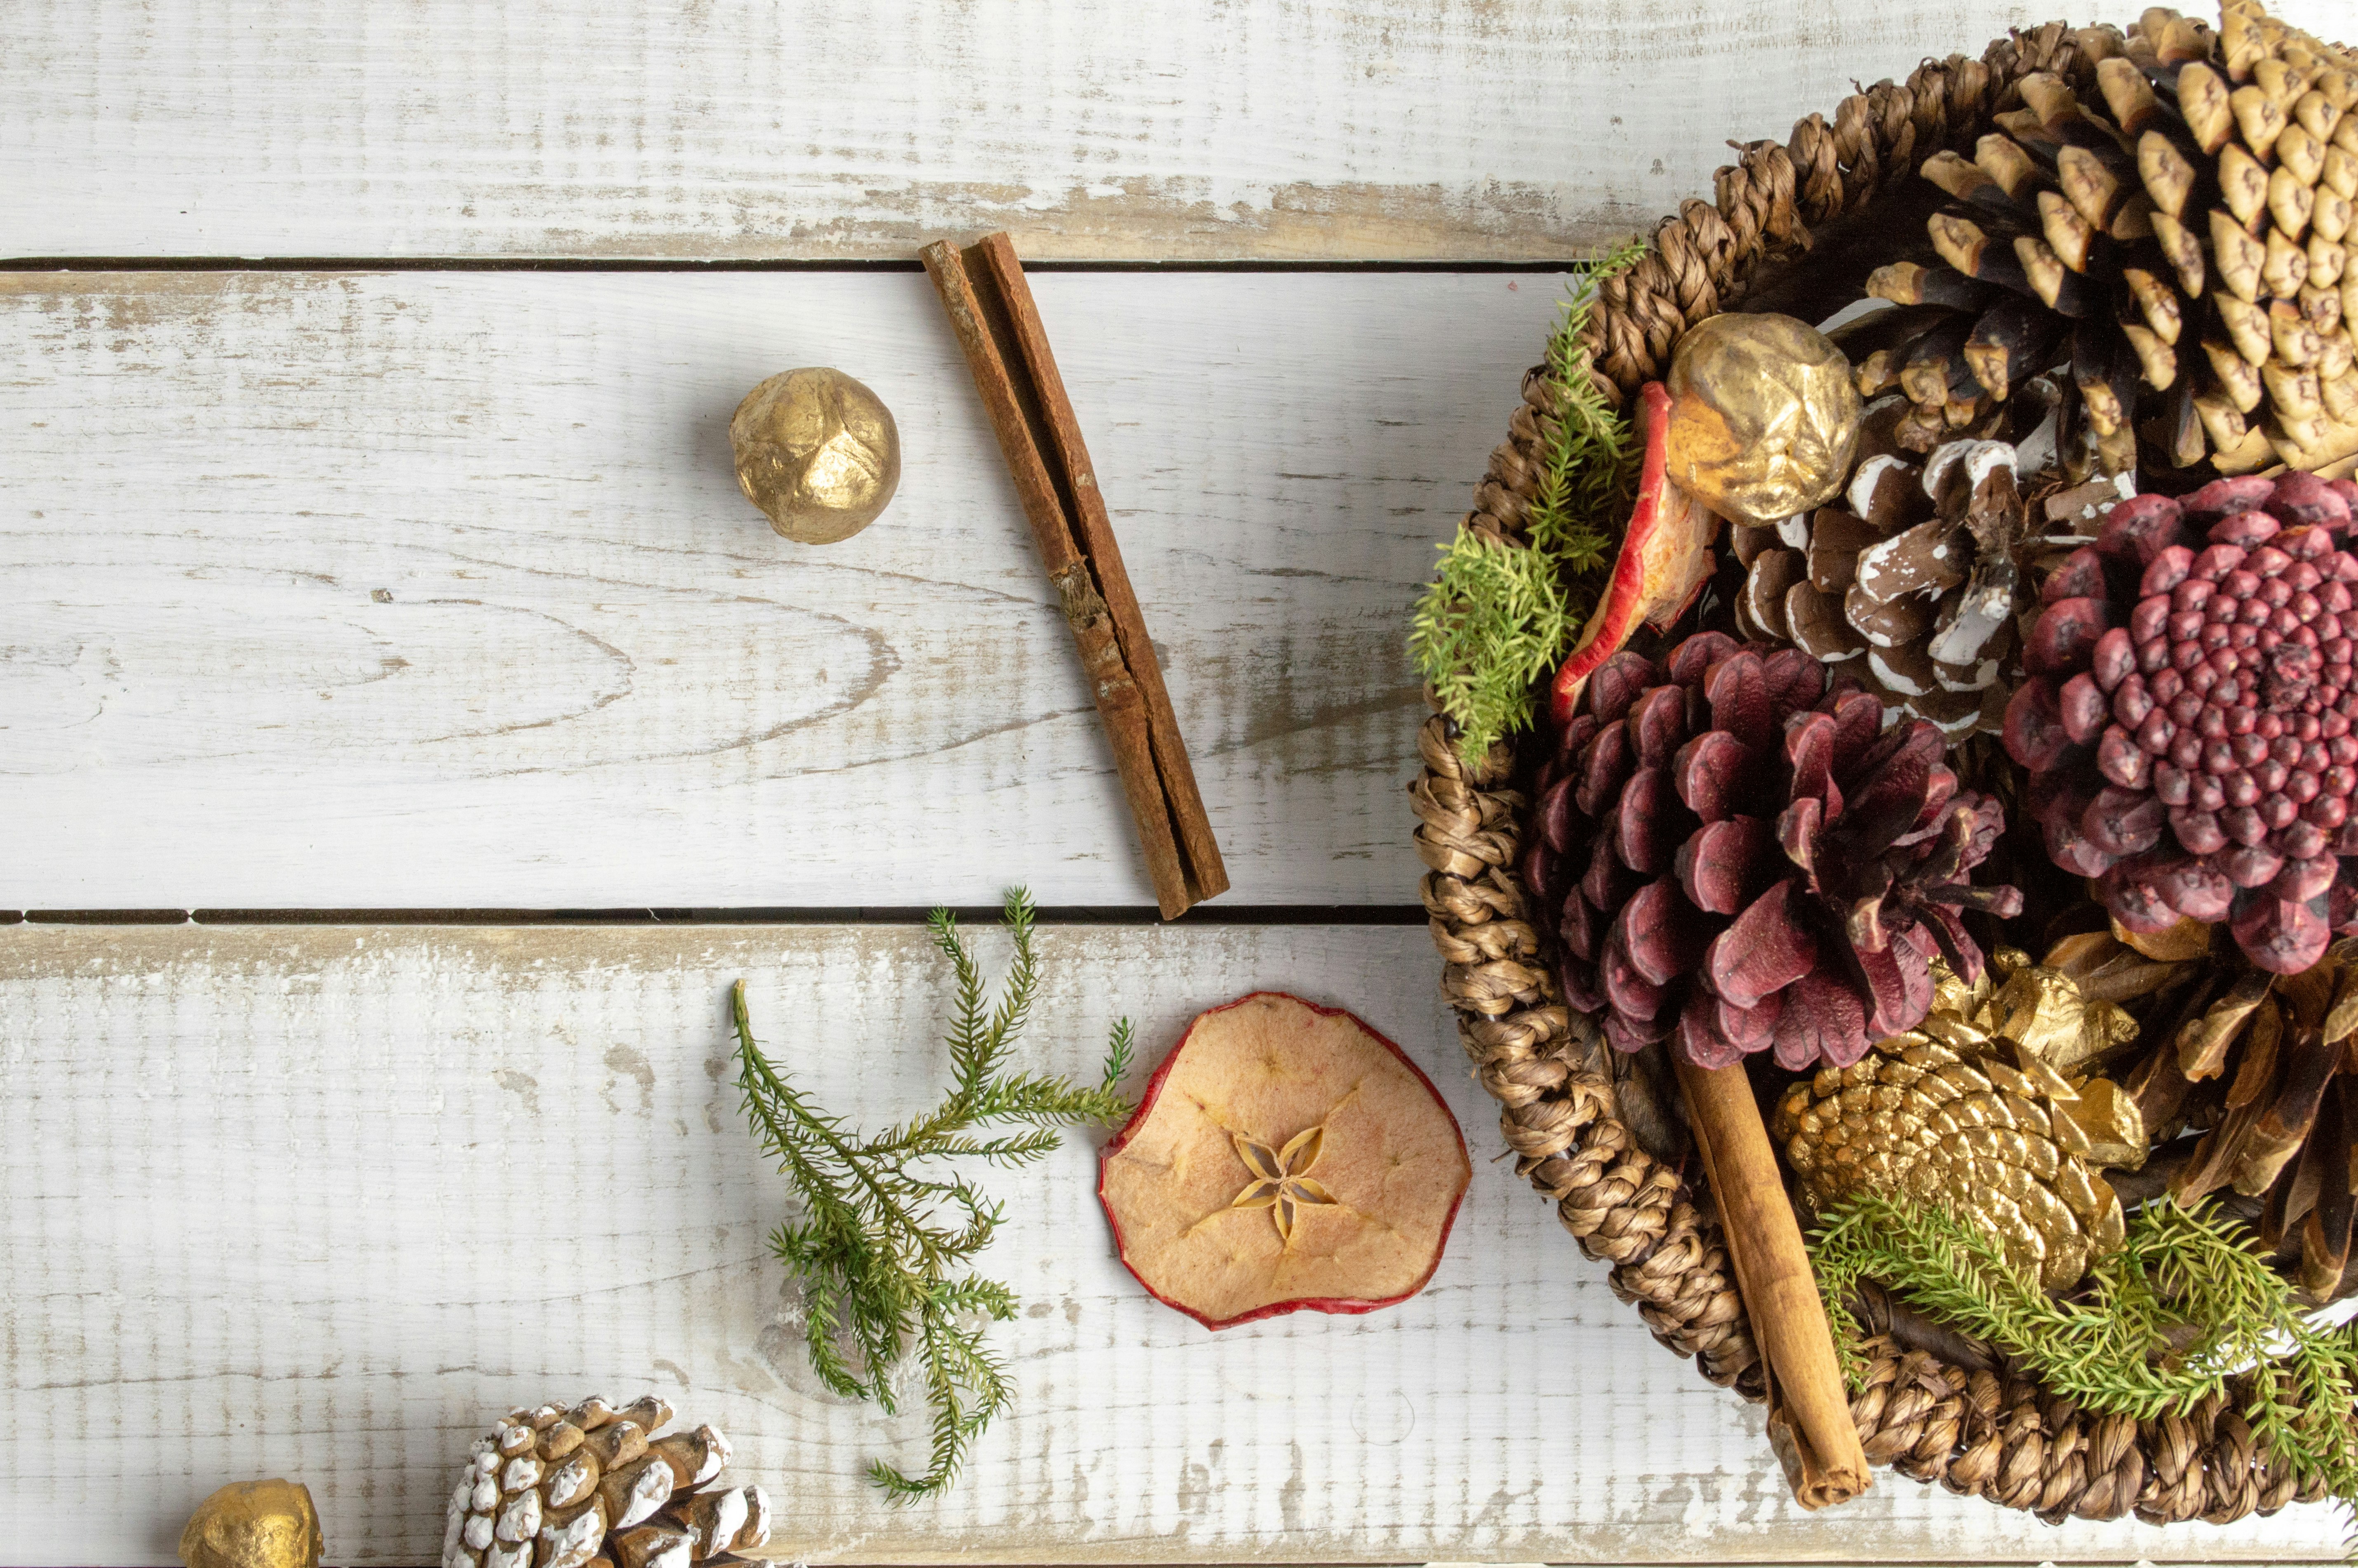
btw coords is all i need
(884, 1237)
(1495, 618)
(2185, 1310)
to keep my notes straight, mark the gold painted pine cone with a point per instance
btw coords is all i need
(1971, 1109)
(2171, 231)
(594, 1485)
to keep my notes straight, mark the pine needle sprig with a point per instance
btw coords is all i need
(1589, 472)
(884, 1235)
(2186, 1310)
(1497, 618)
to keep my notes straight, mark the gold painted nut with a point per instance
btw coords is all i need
(254, 1524)
(1764, 417)
(818, 453)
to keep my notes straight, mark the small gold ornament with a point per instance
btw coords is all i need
(1764, 417)
(818, 453)
(1972, 1107)
(254, 1524)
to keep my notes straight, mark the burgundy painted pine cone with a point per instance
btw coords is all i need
(1810, 926)
(2188, 719)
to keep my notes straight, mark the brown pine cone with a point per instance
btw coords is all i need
(558, 1488)
(2258, 1067)
(1965, 1109)
(2172, 231)
(1912, 587)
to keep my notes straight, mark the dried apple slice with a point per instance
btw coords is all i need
(1285, 1156)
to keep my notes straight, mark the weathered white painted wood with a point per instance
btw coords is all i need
(436, 590)
(1304, 129)
(317, 1201)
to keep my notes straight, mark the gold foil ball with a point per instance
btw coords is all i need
(254, 1524)
(1764, 417)
(818, 453)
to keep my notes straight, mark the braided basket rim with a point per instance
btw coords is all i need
(1980, 1430)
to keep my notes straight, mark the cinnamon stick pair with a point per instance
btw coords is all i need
(992, 310)
(1809, 1410)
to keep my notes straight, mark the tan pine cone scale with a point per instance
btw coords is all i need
(594, 1486)
(2266, 1071)
(2170, 232)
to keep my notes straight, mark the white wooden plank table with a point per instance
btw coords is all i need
(351, 560)
(739, 128)
(336, 1196)
(444, 579)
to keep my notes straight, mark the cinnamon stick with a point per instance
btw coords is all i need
(991, 310)
(1809, 1412)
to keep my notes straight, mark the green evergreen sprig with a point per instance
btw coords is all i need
(885, 1236)
(2186, 1308)
(1495, 618)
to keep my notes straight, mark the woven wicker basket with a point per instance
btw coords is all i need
(1787, 230)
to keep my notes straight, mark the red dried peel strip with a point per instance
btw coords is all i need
(1664, 561)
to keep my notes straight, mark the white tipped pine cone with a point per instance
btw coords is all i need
(2170, 229)
(1911, 586)
(559, 1489)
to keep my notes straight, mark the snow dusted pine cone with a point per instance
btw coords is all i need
(1809, 926)
(1911, 585)
(2168, 225)
(2188, 722)
(556, 1489)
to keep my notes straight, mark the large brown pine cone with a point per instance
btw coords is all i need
(2173, 228)
(2251, 1094)
(559, 1489)
(1766, 864)
(2188, 722)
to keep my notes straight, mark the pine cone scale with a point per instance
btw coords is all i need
(1916, 571)
(2231, 184)
(2220, 709)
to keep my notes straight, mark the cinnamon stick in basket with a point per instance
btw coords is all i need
(992, 310)
(1809, 1410)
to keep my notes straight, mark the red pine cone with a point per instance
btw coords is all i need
(1765, 863)
(2188, 719)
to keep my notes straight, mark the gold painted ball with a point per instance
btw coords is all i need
(254, 1524)
(1764, 417)
(818, 453)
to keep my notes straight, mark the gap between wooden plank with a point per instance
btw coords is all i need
(883, 915)
(779, 263)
